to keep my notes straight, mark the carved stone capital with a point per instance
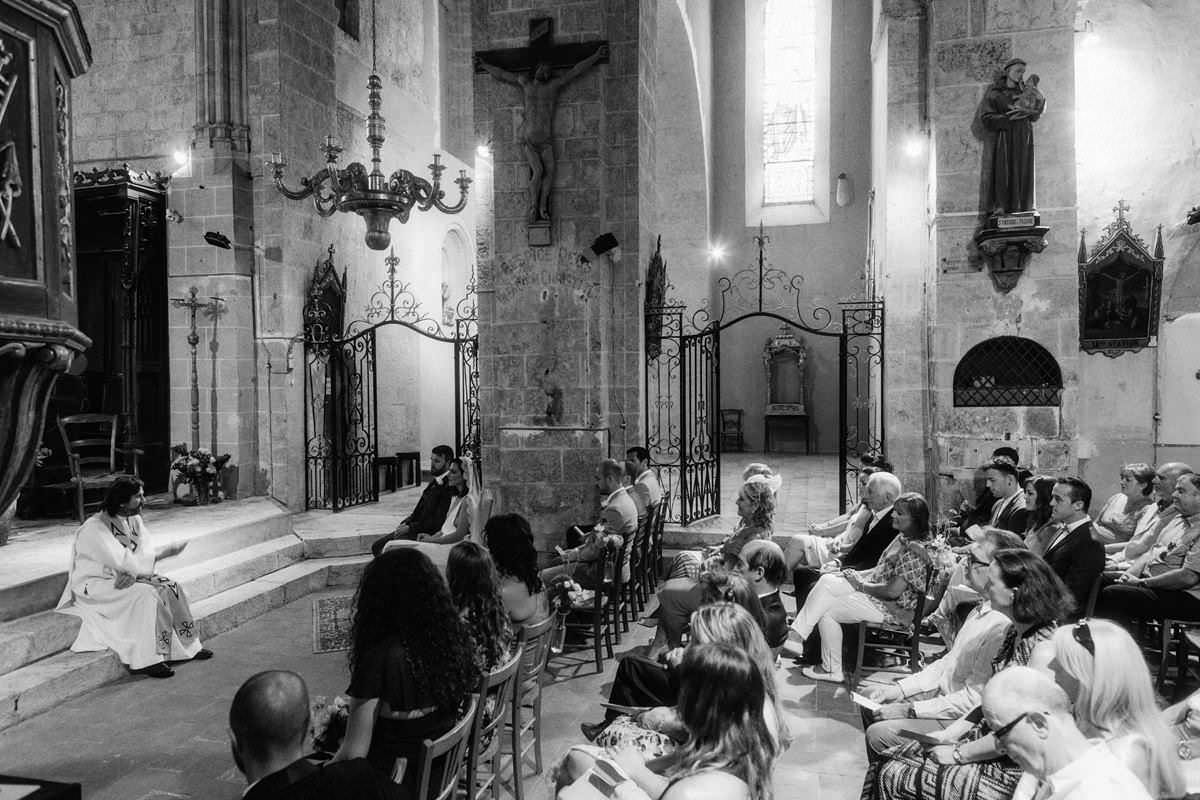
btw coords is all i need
(1008, 252)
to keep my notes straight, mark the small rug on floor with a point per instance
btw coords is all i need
(332, 619)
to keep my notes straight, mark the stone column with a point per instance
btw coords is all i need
(559, 337)
(217, 197)
(971, 41)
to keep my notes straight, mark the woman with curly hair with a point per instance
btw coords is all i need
(680, 594)
(412, 665)
(969, 763)
(1103, 672)
(474, 587)
(510, 541)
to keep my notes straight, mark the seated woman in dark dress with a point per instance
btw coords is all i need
(412, 664)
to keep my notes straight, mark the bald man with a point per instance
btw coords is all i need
(1031, 718)
(268, 725)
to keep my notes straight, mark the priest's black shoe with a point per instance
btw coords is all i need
(591, 730)
(204, 655)
(159, 670)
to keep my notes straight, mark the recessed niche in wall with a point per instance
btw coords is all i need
(1007, 371)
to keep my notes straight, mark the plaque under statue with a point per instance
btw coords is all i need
(1013, 231)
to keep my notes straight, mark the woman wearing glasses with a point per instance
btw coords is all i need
(1102, 670)
(968, 763)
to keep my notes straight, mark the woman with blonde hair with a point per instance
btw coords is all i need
(1101, 668)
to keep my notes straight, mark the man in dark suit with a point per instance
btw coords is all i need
(268, 724)
(882, 490)
(762, 564)
(432, 506)
(1074, 555)
(1008, 512)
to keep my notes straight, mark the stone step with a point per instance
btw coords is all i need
(241, 566)
(35, 637)
(35, 687)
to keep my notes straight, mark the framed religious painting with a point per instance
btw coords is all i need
(1120, 289)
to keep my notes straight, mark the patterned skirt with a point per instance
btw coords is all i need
(904, 773)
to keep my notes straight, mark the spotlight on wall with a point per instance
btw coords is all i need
(914, 145)
(716, 252)
(181, 158)
(217, 239)
(483, 150)
(844, 195)
(604, 243)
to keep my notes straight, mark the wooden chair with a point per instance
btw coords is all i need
(639, 556)
(904, 639)
(656, 540)
(534, 641)
(91, 446)
(496, 690)
(441, 761)
(595, 616)
(626, 602)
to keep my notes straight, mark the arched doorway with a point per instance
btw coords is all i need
(341, 393)
(683, 377)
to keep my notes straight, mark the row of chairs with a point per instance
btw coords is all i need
(503, 723)
(630, 577)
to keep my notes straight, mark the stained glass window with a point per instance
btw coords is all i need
(789, 94)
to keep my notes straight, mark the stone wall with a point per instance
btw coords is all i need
(551, 325)
(971, 39)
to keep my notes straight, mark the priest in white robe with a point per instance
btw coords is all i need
(112, 587)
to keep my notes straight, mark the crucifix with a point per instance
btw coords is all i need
(193, 305)
(1120, 208)
(532, 70)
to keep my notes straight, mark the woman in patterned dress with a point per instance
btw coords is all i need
(1025, 589)
(888, 593)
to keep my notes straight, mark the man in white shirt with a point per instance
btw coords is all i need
(645, 489)
(1030, 716)
(618, 515)
(1123, 555)
(928, 700)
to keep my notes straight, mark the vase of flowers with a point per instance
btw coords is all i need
(201, 471)
(328, 718)
(565, 594)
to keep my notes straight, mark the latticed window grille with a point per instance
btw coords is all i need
(1007, 371)
(789, 101)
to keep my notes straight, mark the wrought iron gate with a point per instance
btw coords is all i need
(341, 420)
(683, 378)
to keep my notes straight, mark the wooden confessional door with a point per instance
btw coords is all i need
(121, 257)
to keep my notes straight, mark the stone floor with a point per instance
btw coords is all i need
(143, 739)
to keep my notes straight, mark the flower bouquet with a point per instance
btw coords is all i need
(201, 470)
(328, 726)
(564, 594)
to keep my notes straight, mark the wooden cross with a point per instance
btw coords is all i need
(541, 50)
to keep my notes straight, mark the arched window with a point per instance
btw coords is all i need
(1008, 371)
(787, 111)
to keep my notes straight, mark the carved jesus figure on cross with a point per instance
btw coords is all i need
(537, 132)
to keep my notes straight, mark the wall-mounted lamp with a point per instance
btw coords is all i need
(484, 150)
(716, 252)
(604, 243)
(844, 195)
(174, 216)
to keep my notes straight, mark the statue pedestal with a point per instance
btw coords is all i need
(548, 476)
(1007, 241)
(538, 233)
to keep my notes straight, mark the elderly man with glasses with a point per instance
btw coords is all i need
(927, 701)
(1031, 720)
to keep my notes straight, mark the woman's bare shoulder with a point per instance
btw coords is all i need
(709, 785)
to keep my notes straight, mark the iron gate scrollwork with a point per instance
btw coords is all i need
(341, 421)
(683, 379)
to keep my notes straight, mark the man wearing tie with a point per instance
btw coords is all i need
(1009, 512)
(1072, 553)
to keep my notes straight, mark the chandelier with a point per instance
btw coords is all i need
(372, 195)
